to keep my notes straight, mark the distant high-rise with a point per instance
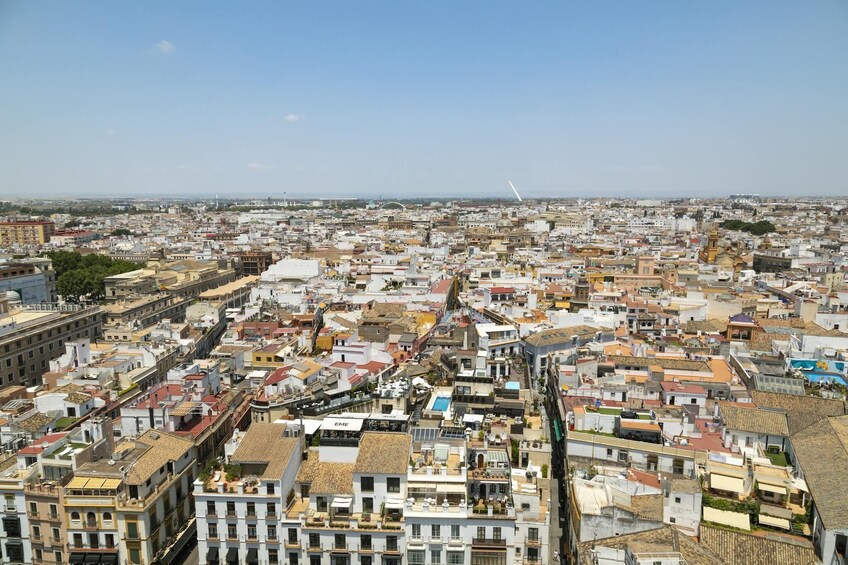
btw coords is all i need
(29, 232)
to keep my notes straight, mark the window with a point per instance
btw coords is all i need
(339, 541)
(55, 532)
(110, 541)
(391, 543)
(314, 541)
(677, 500)
(210, 507)
(272, 532)
(232, 533)
(251, 531)
(365, 542)
(273, 556)
(269, 487)
(251, 509)
(33, 508)
(367, 484)
(436, 556)
(132, 531)
(107, 516)
(456, 557)
(416, 531)
(533, 534)
(231, 508)
(36, 532)
(135, 556)
(213, 531)
(481, 532)
(367, 505)
(321, 503)
(673, 520)
(293, 536)
(366, 560)
(57, 556)
(393, 484)
(272, 508)
(435, 531)
(496, 533)
(454, 532)
(416, 557)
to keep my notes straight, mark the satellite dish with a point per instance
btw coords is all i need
(503, 435)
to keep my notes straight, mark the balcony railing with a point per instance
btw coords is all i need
(489, 542)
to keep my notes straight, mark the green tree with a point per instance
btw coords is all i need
(122, 232)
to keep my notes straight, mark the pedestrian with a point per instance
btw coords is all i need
(556, 557)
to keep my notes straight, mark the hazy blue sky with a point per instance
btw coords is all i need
(429, 98)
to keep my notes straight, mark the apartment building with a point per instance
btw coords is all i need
(370, 497)
(15, 535)
(47, 531)
(30, 337)
(33, 283)
(30, 232)
(129, 508)
(241, 506)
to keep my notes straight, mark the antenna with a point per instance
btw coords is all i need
(515, 191)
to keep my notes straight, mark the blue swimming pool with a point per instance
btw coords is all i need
(441, 403)
(817, 377)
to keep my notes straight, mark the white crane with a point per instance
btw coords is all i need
(515, 191)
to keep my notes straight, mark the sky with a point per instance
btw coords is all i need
(418, 99)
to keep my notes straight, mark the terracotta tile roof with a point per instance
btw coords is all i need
(383, 453)
(665, 363)
(736, 548)
(821, 451)
(161, 447)
(801, 411)
(693, 552)
(264, 443)
(333, 478)
(648, 506)
(754, 419)
(309, 467)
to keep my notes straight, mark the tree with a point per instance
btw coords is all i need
(122, 232)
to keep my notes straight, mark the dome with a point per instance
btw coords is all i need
(13, 296)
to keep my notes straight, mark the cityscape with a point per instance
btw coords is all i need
(342, 381)
(423, 283)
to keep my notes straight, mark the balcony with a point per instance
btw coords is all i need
(455, 541)
(488, 542)
(415, 541)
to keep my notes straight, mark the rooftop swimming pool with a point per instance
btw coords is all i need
(818, 377)
(441, 403)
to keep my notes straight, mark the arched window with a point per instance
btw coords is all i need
(75, 516)
(91, 520)
(107, 516)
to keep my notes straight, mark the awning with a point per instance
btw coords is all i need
(800, 484)
(109, 559)
(252, 556)
(774, 521)
(212, 556)
(771, 488)
(342, 502)
(232, 556)
(729, 484)
(394, 503)
(449, 488)
(92, 558)
(77, 559)
(558, 430)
